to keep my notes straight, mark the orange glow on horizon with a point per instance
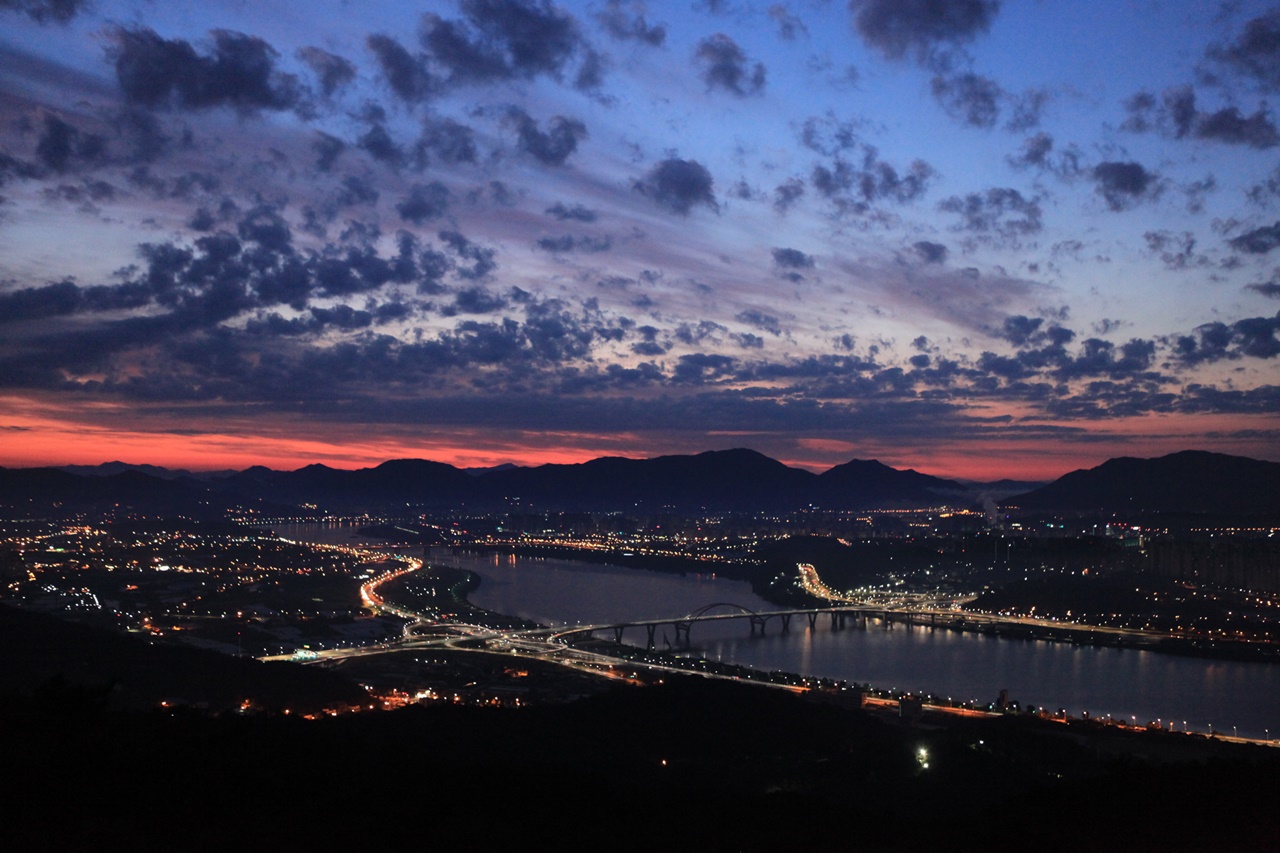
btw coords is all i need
(32, 437)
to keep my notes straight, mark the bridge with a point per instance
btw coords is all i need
(839, 615)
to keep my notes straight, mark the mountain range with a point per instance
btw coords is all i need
(728, 480)
(1193, 481)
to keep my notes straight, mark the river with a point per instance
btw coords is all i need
(1131, 685)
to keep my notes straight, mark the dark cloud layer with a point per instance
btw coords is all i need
(792, 259)
(424, 203)
(1254, 337)
(239, 72)
(62, 145)
(1000, 213)
(1176, 114)
(504, 39)
(1266, 288)
(552, 146)
(1125, 184)
(930, 252)
(331, 70)
(448, 141)
(1255, 52)
(624, 27)
(900, 27)
(679, 186)
(969, 98)
(857, 185)
(575, 212)
(1258, 241)
(568, 243)
(403, 72)
(724, 65)
(57, 11)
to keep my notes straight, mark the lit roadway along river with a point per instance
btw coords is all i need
(551, 644)
(949, 608)
(538, 643)
(962, 664)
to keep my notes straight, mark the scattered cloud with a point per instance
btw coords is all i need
(724, 65)
(1002, 214)
(679, 186)
(969, 98)
(55, 11)
(898, 28)
(630, 27)
(1123, 184)
(238, 71)
(553, 146)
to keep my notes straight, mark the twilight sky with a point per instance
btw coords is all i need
(973, 237)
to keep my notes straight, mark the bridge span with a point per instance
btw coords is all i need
(840, 616)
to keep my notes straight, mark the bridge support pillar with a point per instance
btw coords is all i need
(617, 634)
(758, 622)
(786, 623)
(651, 629)
(682, 634)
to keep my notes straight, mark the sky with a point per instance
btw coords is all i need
(978, 238)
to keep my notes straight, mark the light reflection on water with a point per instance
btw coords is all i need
(1125, 683)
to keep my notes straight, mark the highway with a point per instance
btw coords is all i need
(952, 616)
(546, 643)
(551, 643)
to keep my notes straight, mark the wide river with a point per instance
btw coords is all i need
(1139, 686)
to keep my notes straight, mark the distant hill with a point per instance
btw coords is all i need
(860, 483)
(399, 481)
(1193, 481)
(725, 480)
(738, 480)
(107, 469)
(998, 490)
(37, 491)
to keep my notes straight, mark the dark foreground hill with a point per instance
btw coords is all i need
(1193, 481)
(690, 764)
(56, 661)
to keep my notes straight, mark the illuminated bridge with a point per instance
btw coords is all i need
(720, 611)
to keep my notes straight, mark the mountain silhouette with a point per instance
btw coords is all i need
(1192, 481)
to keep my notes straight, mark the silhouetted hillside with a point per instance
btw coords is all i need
(40, 653)
(729, 480)
(1191, 481)
(699, 764)
(859, 483)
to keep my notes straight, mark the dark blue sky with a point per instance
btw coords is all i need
(978, 238)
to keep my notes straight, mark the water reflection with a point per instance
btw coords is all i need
(1121, 682)
(1125, 683)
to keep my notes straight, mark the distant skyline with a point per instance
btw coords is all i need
(979, 239)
